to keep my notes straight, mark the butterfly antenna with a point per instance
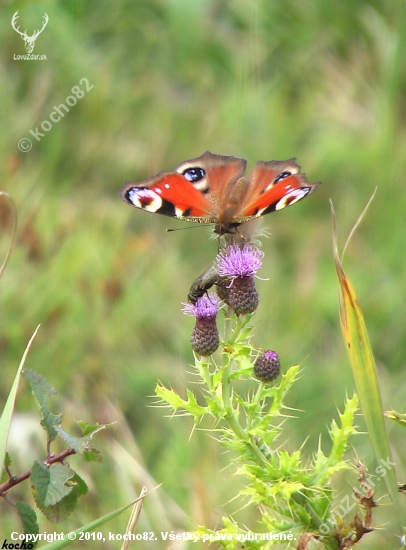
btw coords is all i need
(187, 227)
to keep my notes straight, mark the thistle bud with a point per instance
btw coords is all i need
(205, 336)
(242, 295)
(267, 367)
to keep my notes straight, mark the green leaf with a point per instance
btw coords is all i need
(28, 518)
(50, 483)
(91, 429)
(43, 391)
(191, 406)
(79, 444)
(397, 417)
(7, 462)
(340, 435)
(80, 488)
(61, 510)
(324, 467)
(279, 392)
(56, 496)
(92, 454)
(6, 415)
(364, 372)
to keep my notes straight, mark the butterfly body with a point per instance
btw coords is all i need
(213, 189)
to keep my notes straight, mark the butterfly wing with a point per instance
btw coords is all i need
(274, 185)
(213, 175)
(170, 194)
(212, 189)
(192, 192)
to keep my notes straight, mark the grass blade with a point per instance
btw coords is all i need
(58, 544)
(14, 231)
(6, 415)
(132, 522)
(364, 373)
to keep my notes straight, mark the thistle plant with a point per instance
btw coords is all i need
(292, 492)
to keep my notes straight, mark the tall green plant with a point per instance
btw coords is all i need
(293, 494)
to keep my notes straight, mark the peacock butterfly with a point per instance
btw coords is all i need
(213, 189)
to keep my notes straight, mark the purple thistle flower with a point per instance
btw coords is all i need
(239, 262)
(237, 267)
(206, 306)
(205, 337)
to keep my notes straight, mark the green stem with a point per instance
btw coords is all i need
(258, 395)
(229, 412)
(206, 376)
(255, 402)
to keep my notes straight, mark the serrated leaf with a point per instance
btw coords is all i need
(50, 482)
(43, 391)
(340, 435)
(364, 371)
(60, 510)
(176, 402)
(60, 485)
(279, 392)
(28, 518)
(5, 419)
(193, 407)
(80, 486)
(79, 444)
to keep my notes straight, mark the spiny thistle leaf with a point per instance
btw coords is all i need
(325, 467)
(176, 402)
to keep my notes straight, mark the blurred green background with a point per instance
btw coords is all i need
(321, 81)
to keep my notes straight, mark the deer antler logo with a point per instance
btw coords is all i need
(29, 40)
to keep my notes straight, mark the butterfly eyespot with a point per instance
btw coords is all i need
(194, 174)
(282, 176)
